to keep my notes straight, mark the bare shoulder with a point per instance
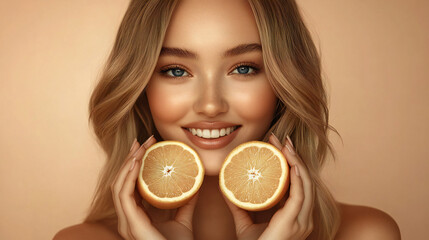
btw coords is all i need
(361, 222)
(85, 231)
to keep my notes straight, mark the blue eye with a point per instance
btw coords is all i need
(244, 70)
(175, 72)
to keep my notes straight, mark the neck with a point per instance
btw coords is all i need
(212, 218)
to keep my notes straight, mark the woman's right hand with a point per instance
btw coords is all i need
(134, 222)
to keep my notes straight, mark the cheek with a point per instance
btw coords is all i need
(167, 103)
(256, 103)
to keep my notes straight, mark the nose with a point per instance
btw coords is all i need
(211, 100)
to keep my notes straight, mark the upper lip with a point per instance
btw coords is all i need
(210, 125)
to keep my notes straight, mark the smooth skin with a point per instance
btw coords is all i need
(213, 90)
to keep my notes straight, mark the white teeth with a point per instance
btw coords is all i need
(206, 133)
(214, 133)
(211, 133)
(222, 132)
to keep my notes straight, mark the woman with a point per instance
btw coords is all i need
(213, 64)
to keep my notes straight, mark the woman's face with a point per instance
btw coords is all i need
(209, 88)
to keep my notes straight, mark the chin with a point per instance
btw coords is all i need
(212, 161)
(212, 172)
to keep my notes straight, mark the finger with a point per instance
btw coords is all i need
(126, 195)
(308, 186)
(293, 159)
(130, 176)
(138, 154)
(134, 214)
(139, 224)
(116, 187)
(118, 183)
(184, 214)
(149, 141)
(306, 215)
(309, 218)
(242, 219)
(293, 205)
(134, 147)
(275, 141)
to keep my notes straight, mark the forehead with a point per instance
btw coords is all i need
(211, 24)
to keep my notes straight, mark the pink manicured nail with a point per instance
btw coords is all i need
(132, 145)
(144, 145)
(133, 164)
(296, 170)
(290, 141)
(290, 148)
(276, 139)
(147, 141)
(138, 150)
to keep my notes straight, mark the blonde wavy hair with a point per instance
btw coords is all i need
(119, 112)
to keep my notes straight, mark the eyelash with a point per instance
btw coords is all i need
(164, 70)
(250, 65)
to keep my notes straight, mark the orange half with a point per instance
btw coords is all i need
(171, 173)
(254, 176)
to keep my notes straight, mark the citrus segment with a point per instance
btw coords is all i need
(254, 176)
(171, 173)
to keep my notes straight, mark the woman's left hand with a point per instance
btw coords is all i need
(294, 221)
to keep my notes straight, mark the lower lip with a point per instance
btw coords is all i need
(211, 143)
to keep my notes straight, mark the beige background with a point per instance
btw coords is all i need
(375, 57)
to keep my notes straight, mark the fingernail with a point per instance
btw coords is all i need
(296, 170)
(147, 141)
(276, 138)
(144, 145)
(132, 145)
(290, 148)
(290, 141)
(138, 150)
(133, 164)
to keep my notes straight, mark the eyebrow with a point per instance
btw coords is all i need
(240, 49)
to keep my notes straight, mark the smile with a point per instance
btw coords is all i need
(211, 133)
